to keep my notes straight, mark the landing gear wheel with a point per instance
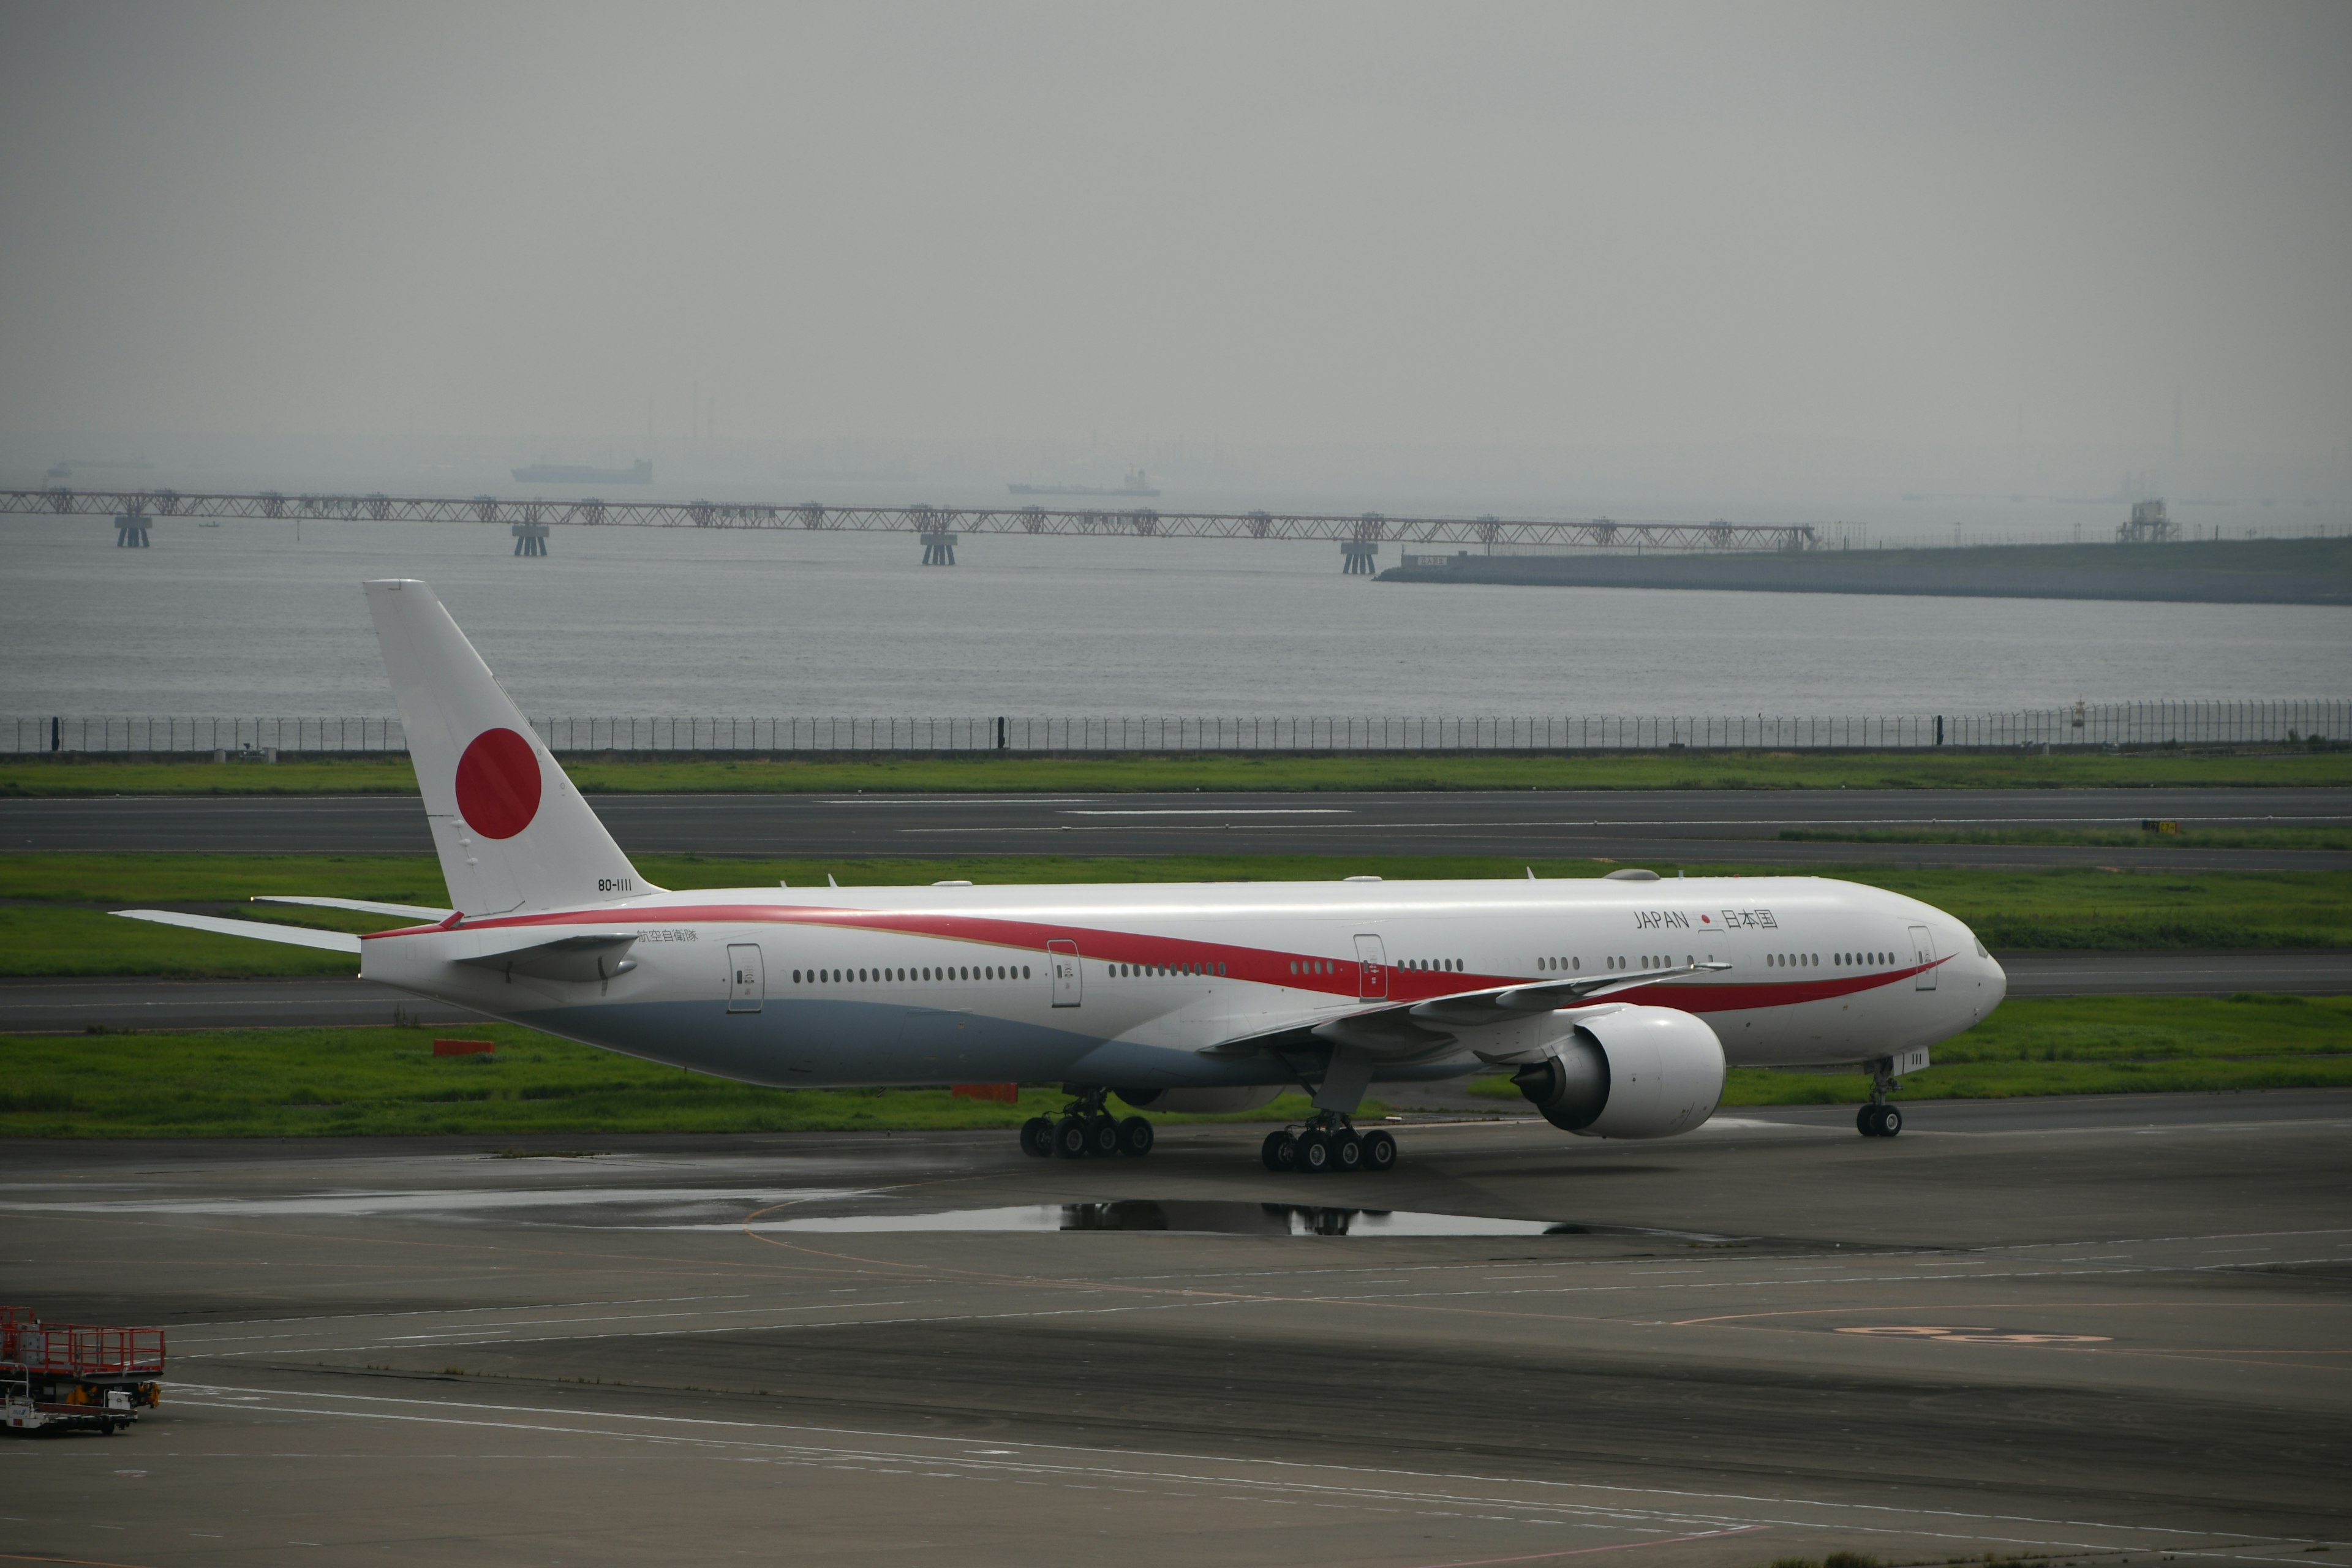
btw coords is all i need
(1890, 1121)
(1038, 1138)
(1070, 1139)
(1379, 1152)
(1135, 1137)
(1314, 1154)
(1102, 1136)
(1346, 1152)
(1866, 1120)
(1280, 1151)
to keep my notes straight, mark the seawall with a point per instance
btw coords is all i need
(2242, 572)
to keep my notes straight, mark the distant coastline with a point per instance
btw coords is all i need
(1135, 484)
(641, 472)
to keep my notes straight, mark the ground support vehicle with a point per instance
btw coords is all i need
(76, 1376)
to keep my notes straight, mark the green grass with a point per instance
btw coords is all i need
(51, 920)
(297, 1082)
(275, 1083)
(2088, 907)
(2096, 1045)
(2251, 765)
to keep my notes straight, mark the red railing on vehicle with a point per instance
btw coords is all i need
(87, 1350)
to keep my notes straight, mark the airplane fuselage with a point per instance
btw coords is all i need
(1136, 986)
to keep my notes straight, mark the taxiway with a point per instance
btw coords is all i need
(2079, 1329)
(1660, 828)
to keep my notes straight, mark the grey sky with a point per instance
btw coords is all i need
(1275, 223)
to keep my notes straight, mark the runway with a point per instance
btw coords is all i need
(75, 1004)
(1659, 827)
(2104, 1328)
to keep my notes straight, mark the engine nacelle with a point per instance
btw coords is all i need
(1202, 1101)
(1641, 1072)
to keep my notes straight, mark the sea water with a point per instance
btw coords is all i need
(266, 618)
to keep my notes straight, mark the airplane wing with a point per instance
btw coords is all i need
(260, 931)
(1402, 1030)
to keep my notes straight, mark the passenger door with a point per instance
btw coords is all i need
(1923, 952)
(746, 978)
(1371, 968)
(1062, 958)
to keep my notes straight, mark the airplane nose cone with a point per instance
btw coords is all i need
(1996, 979)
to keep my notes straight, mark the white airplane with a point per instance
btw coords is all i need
(1616, 1004)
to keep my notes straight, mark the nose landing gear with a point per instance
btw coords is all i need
(1328, 1142)
(1086, 1130)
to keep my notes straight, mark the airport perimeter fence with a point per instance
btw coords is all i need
(2108, 724)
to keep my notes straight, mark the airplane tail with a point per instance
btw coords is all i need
(511, 831)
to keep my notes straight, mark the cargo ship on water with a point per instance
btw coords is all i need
(1135, 485)
(641, 472)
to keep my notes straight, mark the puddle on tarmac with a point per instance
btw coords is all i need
(1195, 1217)
(445, 1203)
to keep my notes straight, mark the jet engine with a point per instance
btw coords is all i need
(1202, 1101)
(1640, 1072)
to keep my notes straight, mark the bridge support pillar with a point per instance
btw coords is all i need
(1357, 557)
(939, 549)
(131, 532)
(531, 538)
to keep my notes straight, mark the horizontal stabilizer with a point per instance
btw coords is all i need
(404, 912)
(259, 930)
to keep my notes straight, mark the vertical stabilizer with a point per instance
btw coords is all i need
(511, 831)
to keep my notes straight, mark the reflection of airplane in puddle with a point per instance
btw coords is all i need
(1195, 1217)
(1207, 1217)
(1616, 1002)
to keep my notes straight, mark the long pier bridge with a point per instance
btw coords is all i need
(1359, 535)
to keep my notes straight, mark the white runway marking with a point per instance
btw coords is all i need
(1214, 811)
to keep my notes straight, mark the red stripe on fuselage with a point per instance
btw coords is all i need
(1259, 965)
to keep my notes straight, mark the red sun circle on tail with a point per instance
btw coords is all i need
(499, 783)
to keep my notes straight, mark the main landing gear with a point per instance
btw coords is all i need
(1878, 1118)
(1086, 1130)
(1328, 1142)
